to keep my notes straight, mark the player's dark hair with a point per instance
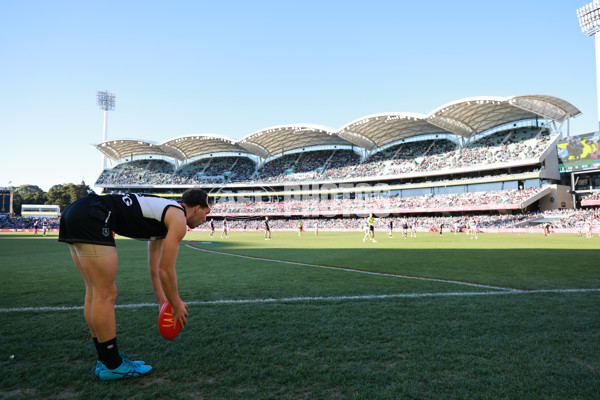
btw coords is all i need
(195, 197)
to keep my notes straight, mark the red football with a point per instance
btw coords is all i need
(165, 322)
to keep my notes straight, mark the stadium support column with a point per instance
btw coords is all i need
(573, 197)
(597, 39)
(106, 102)
(589, 20)
(105, 126)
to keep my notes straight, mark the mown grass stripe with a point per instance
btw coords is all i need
(357, 270)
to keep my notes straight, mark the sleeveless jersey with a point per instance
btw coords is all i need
(138, 217)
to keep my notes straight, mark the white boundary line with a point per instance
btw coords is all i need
(310, 299)
(422, 278)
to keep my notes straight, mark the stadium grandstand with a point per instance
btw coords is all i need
(484, 155)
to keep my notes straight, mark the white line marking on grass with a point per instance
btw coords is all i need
(308, 299)
(423, 278)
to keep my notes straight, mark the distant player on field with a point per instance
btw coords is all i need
(267, 228)
(371, 229)
(588, 229)
(547, 228)
(404, 228)
(473, 227)
(225, 229)
(365, 228)
(212, 228)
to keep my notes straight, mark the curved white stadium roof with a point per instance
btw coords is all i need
(474, 115)
(380, 129)
(277, 140)
(464, 118)
(186, 147)
(122, 148)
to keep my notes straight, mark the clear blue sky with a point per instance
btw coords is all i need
(231, 68)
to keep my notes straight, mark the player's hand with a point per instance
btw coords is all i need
(180, 313)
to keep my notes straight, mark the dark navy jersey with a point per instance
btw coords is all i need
(138, 217)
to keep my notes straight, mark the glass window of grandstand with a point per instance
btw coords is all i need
(583, 183)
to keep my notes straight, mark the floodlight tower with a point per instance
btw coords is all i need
(106, 102)
(589, 20)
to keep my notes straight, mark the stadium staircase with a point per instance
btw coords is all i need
(542, 219)
(544, 192)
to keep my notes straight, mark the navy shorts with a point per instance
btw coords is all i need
(86, 221)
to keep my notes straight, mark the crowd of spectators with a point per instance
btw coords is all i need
(405, 158)
(139, 172)
(430, 223)
(568, 219)
(26, 222)
(563, 218)
(502, 148)
(159, 172)
(341, 165)
(298, 166)
(593, 196)
(309, 204)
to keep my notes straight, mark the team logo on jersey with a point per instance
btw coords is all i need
(127, 200)
(105, 232)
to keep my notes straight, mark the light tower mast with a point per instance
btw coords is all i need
(106, 102)
(589, 20)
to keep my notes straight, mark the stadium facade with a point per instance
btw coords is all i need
(464, 149)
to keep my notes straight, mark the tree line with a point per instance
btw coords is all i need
(60, 195)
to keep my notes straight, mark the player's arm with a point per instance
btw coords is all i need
(154, 251)
(176, 228)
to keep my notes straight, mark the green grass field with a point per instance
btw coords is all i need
(513, 316)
